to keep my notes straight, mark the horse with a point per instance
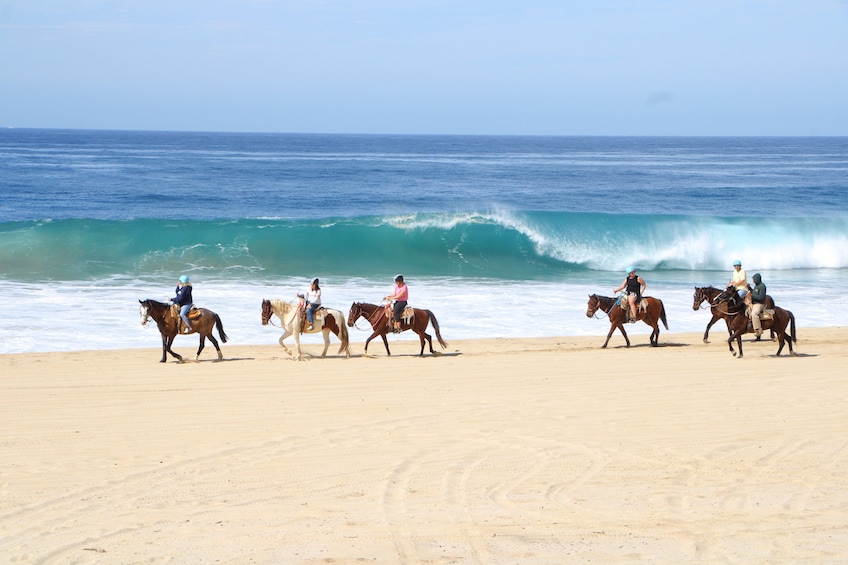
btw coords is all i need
(652, 313)
(379, 320)
(735, 310)
(326, 320)
(710, 295)
(169, 324)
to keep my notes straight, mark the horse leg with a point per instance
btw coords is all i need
(217, 347)
(297, 344)
(326, 333)
(202, 345)
(707, 331)
(283, 345)
(737, 335)
(164, 348)
(382, 333)
(167, 341)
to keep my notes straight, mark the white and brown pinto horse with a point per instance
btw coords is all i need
(290, 314)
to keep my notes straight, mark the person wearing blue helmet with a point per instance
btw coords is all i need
(633, 286)
(739, 279)
(184, 300)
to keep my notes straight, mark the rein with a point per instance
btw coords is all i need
(370, 318)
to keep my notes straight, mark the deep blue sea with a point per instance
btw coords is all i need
(498, 235)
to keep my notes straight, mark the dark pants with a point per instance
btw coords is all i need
(398, 309)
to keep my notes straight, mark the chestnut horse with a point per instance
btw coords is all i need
(652, 314)
(376, 316)
(169, 326)
(734, 308)
(710, 295)
(326, 320)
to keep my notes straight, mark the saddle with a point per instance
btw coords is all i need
(193, 314)
(641, 305)
(319, 320)
(406, 316)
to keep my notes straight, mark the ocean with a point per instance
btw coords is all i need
(499, 236)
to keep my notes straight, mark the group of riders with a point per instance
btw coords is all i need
(634, 287)
(310, 302)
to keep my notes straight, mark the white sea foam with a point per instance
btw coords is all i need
(104, 315)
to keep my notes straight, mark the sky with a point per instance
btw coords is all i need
(518, 67)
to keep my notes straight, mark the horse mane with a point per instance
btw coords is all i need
(156, 303)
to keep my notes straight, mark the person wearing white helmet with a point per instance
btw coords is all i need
(739, 279)
(312, 299)
(184, 299)
(400, 296)
(633, 286)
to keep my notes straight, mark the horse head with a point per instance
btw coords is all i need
(699, 297)
(144, 311)
(355, 313)
(729, 295)
(266, 312)
(592, 307)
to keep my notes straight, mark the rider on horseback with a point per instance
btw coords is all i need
(400, 298)
(758, 300)
(635, 286)
(312, 299)
(183, 299)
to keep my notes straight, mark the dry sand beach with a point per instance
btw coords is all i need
(508, 451)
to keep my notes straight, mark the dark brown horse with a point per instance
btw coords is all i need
(734, 308)
(376, 316)
(169, 326)
(652, 314)
(710, 294)
(326, 320)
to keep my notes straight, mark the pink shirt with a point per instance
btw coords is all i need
(402, 292)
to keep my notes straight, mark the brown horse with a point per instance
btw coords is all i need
(327, 320)
(376, 316)
(652, 313)
(710, 295)
(168, 325)
(735, 310)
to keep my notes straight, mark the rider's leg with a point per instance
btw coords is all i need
(398, 311)
(310, 315)
(632, 300)
(755, 319)
(184, 315)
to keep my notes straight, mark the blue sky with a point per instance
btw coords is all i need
(589, 67)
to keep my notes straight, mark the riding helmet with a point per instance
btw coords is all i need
(399, 278)
(737, 263)
(630, 269)
(184, 279)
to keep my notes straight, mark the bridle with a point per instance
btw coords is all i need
(370, 318)
(598, 308)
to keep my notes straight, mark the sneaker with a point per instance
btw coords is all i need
(309, 328)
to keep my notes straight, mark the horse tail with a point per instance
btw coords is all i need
(343, 335)
(792, 326)
(435, 323)
(220, 327)
(662, 315)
